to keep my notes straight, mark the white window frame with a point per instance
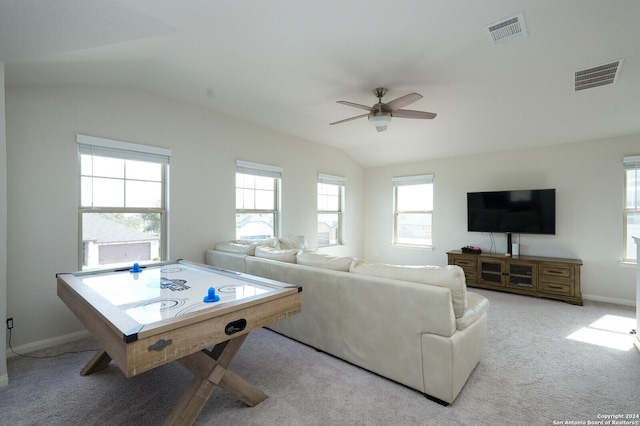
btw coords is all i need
(628, 246)
(410, 180)
(91, 145)
(341, 183)
(265, 170)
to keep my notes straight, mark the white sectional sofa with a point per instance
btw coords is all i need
(416, 325)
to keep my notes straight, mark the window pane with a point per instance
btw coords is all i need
(633, 189)
(262, 182)
(120, 238)
(415, 197)
(255, 226)
(108, 192)
(633, 230)
(108, 167)
(247, 181)
(239, 199)
(328, 197)
(248, 200)
(328, 189)
(86, 165)
(264, 200)
(414, 229)
(328, 229)
(86, 191)
(143, 194)
(255, 192)
(142, 170)
(332, 203)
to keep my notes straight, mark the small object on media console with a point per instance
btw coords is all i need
(471, 249)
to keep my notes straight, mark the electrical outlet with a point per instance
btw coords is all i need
(9, 323)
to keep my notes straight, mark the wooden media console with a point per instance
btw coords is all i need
(547, 277)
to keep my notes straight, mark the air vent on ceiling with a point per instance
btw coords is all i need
(506, 30)
(597, 76)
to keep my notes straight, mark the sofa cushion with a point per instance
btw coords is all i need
(450, 276)
(244, 246)
(287, 243)
(277, 254)
(309, 258)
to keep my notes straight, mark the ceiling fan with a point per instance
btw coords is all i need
(380, 114)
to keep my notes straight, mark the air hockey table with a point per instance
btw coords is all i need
(145, 317)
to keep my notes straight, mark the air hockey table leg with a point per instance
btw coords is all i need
(99, 362)
(210, 371)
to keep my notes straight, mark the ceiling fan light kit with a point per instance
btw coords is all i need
(380, 118)
(381, 113)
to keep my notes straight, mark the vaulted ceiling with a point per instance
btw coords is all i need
(284, 64)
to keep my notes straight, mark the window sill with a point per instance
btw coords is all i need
(413, 247)
(331, 245)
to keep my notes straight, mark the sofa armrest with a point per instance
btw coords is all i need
(226, 260)
(477, 305)
(383, 321)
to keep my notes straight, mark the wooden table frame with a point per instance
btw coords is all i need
(202, 341)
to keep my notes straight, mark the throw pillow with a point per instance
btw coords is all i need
(309, 258)
(288, 256)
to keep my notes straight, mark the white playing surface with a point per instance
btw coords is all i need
(170, 290)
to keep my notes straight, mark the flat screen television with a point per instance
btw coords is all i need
(519, 212)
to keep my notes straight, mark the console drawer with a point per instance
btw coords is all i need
(465, 263)
(470, 277)
(565, 272)
(556, 287)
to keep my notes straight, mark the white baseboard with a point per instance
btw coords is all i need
(47, 343)
(4, 380)
(625, 302)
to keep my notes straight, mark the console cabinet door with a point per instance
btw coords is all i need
(522, 276)
(493, 273)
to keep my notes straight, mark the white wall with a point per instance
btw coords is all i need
(42, 194)
(4, 379)
(43, 186)
(588, 177)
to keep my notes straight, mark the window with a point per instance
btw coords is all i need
(413, 210)
(123, 203)
(257, 200)
(631, 207)
(330, 209)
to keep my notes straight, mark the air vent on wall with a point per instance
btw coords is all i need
(506, 30)
(597, 76)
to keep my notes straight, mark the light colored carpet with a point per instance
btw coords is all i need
(530, 374)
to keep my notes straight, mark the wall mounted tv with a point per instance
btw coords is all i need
(519, 212)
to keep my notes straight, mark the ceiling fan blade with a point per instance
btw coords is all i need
(381, 128)
(351, 104)
(349, 119)
(408, 113)
(403, 101)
